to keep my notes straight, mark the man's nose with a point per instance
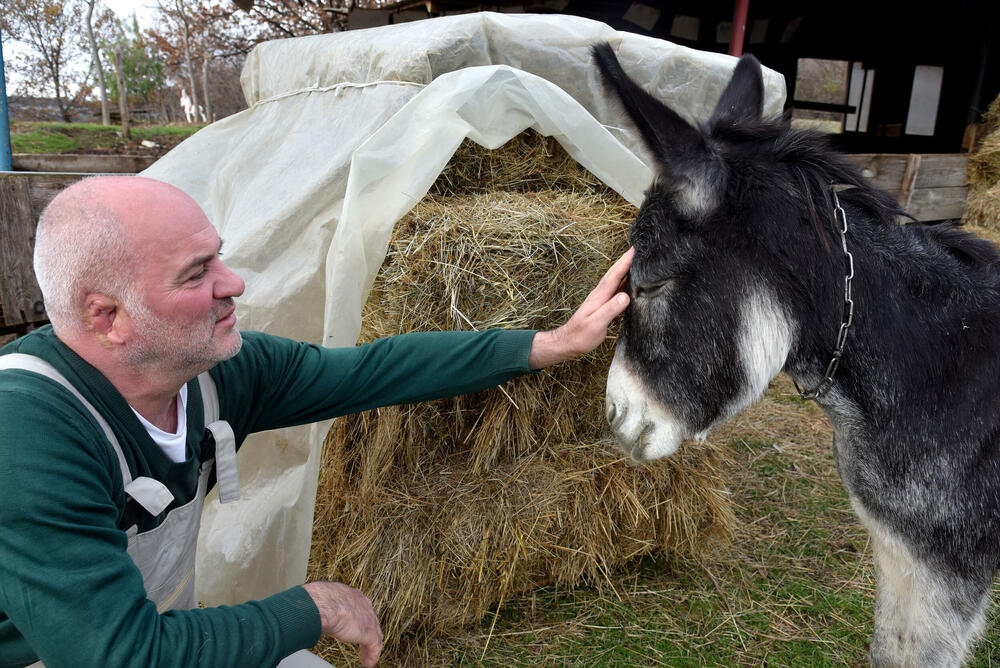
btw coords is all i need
(229, 285)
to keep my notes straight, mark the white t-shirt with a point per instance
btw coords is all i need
(173, 445)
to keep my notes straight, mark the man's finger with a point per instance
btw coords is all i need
(597, 322)
(613, 278)
(370, 654)
(620, 268)
(610, 309)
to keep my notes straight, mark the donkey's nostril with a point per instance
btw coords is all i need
(616, 415)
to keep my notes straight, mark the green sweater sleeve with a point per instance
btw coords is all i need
(276, 382)
(69, 593)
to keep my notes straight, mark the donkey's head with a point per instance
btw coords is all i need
(710, 322)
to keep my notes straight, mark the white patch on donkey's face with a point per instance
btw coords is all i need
(647, 430)
(765, 339)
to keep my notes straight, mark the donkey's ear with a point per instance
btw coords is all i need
(742, 103)
(666, 135)
(689, 171)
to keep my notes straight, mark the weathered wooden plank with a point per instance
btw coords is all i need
(19, 292)
(942, 171)
(930, 186)
(887, 170)
(72, 162)
(23, 196)
(929, 204)
(43, 186)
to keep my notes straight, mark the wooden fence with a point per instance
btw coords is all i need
(930, 187)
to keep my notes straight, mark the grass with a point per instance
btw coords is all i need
(795, 587)
(41, 137)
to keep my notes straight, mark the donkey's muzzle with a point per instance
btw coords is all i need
(645, 430)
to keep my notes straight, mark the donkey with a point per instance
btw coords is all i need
(759, 250)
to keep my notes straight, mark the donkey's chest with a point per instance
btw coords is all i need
(941, 497)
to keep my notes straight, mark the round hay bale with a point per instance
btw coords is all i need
(441, 511)
(983, 201)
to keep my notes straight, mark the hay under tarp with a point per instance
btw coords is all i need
(983, 201)
(443, 510)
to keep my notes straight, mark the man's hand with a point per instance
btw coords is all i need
(588, 327)
(349, 616)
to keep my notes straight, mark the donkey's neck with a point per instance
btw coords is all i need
(926, 319)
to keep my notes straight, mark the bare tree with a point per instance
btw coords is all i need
(122, 94)
(205, 58)
(50, 29)
(95, 54)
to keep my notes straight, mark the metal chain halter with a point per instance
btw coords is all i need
(841, 217)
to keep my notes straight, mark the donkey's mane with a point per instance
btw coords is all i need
(817, 166)
(815, 163)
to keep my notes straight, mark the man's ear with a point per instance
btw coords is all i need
(104, 316)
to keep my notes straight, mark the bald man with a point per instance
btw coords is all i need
(116, 419)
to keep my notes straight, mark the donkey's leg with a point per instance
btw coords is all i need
(924, 616)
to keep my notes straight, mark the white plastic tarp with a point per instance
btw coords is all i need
(343, 135)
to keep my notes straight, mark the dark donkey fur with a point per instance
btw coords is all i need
(739, 274)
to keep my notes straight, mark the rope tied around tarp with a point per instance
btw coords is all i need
(325, 89)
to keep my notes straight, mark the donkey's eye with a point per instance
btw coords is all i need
(654, 288)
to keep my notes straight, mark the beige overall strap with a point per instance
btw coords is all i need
(226, 475)
(151, 494)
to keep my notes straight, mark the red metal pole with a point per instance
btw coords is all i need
(739, 27)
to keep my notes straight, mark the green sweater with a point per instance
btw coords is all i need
(69, 592)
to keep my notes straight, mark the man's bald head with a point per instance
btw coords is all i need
(85, 242)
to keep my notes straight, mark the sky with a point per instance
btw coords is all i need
(124, 8)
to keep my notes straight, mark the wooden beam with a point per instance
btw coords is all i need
(823, 106)
(76, 162)
(909, 178)
(19, 293)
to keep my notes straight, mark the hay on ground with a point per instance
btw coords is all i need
(443, 510)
